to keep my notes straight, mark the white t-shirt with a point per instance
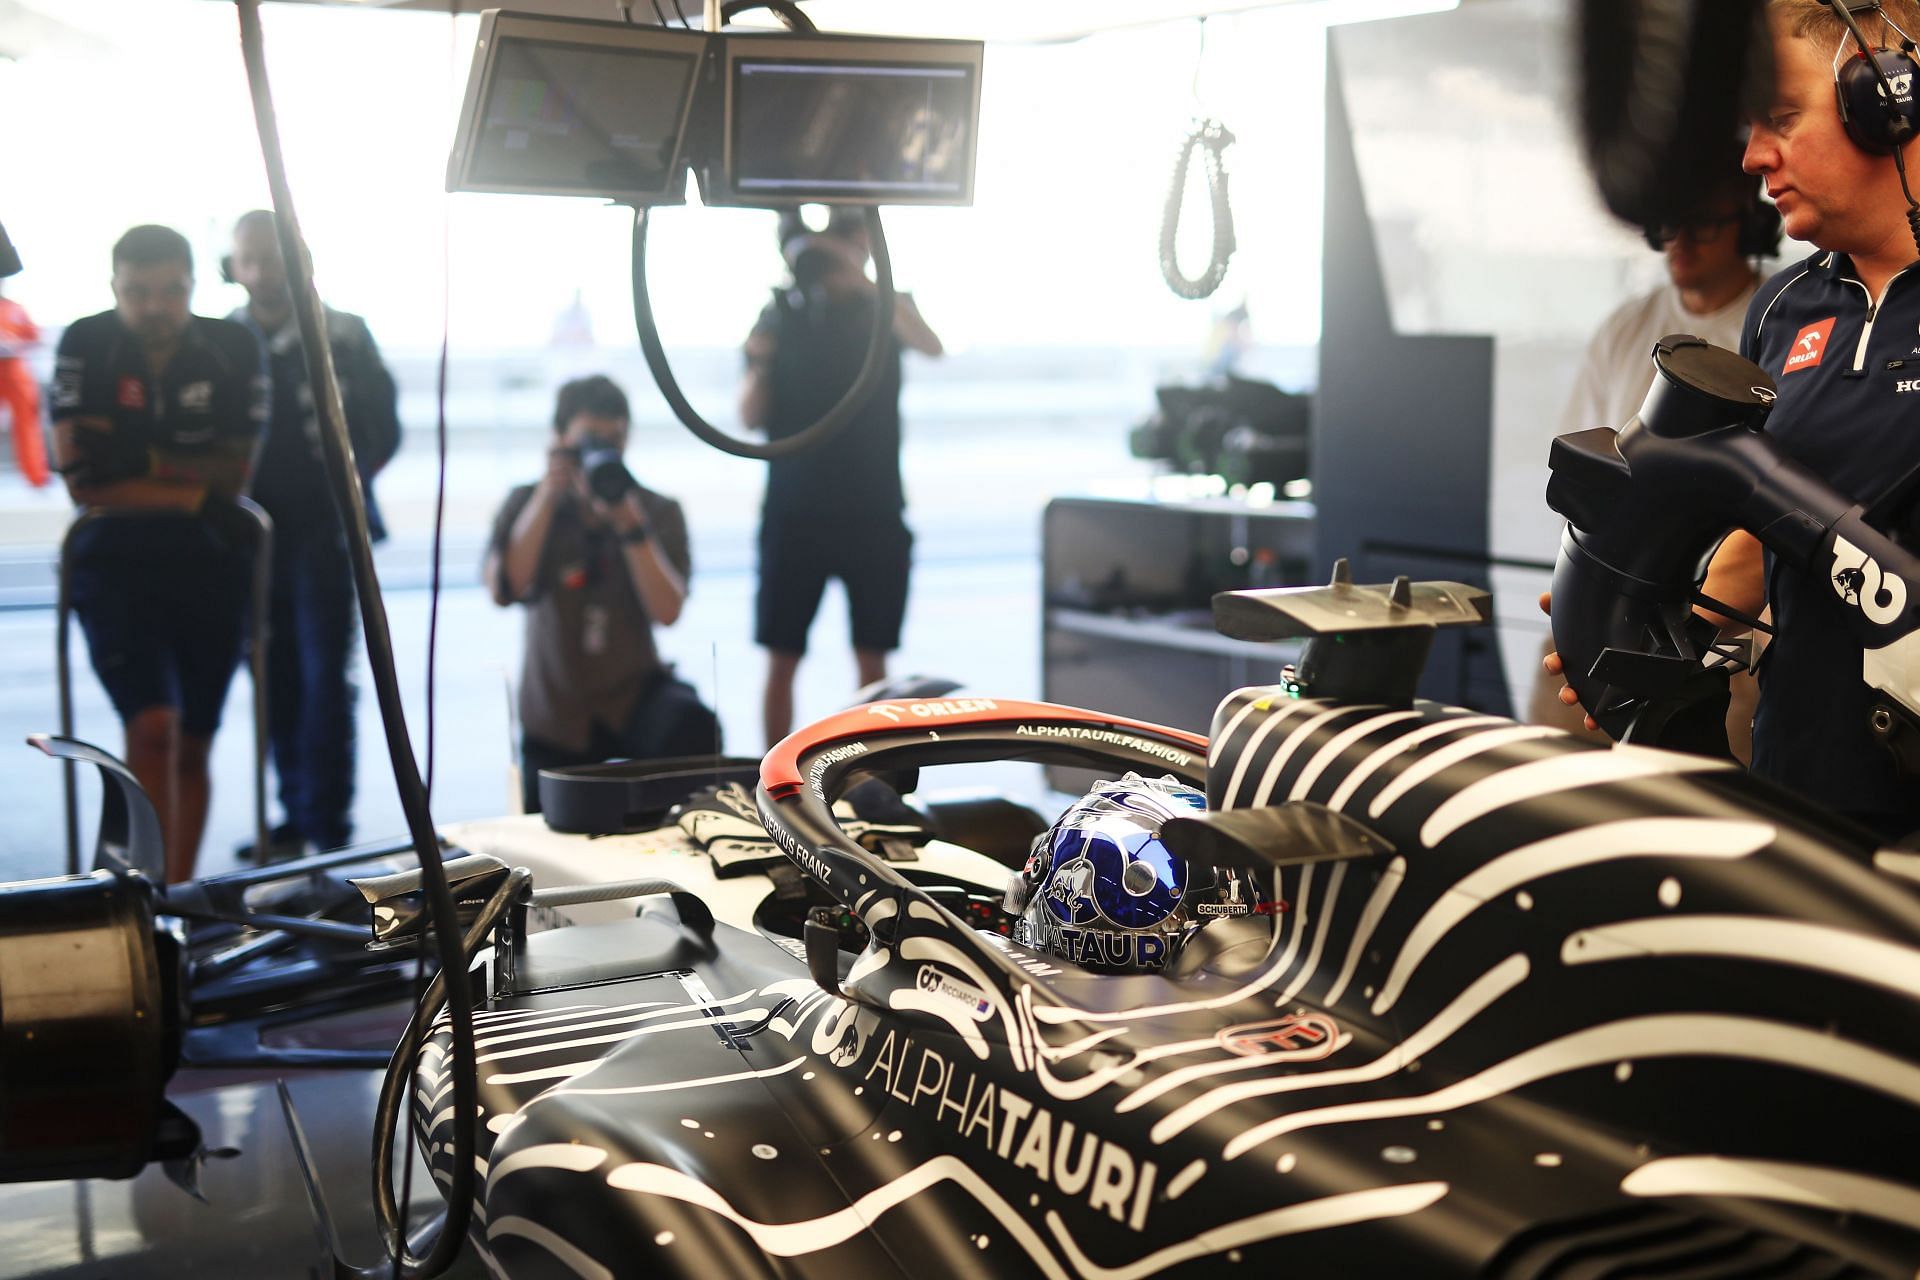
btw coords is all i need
(1617, 370)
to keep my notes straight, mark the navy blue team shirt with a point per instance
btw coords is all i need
(212, 393)
(1848, 370)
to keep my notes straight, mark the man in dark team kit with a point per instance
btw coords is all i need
(155, 414)
(835, 511)
(309, 691)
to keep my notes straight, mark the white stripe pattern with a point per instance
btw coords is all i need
(1390, 881)
(1553, 775)
(1818, 1187)
(1770, 940)
(1252, 746)
(1455, 753)
(1339, 743)
(1467, 1006)
(1660, 1036)
(1399, 746)
(1718, 838)
(1253, 697)
(1312, 965)
(1295, 740)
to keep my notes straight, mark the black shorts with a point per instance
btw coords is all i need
(164, 608)
(797, 557)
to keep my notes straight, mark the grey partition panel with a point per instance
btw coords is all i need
(1401, 429)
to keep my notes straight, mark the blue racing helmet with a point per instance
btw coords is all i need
(1099, 887)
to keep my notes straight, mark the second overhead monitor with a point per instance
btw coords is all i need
(849, 120)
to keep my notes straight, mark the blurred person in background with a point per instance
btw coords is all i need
(19, 392)
(155, 416)
(1713, 269)
(837, 510)
(310, 691)
(599, 560)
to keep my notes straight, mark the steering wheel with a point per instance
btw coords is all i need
(802, 776)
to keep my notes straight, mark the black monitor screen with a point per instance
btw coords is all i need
(852, 130)
(575, 117)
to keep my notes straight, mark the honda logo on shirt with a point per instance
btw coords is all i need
(1809, 346)
(132, 394)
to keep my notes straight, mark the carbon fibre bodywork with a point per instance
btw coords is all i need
(1594, 1012)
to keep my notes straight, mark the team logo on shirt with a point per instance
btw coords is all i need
(197, 397)
(1809, 346)
(1859, 581)
(131, 394)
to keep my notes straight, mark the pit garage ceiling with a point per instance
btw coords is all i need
(997, 20)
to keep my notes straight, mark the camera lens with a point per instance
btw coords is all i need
(607, 475)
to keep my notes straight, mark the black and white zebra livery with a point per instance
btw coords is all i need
(1722, 986)
(1572, 1011)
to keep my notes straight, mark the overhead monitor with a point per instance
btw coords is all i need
(849, 120)
(564, 106)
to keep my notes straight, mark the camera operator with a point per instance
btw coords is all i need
(1837, 333)
(598, 559)
(837, 510)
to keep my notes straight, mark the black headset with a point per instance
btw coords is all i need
(1759, 233)
(1875, 88)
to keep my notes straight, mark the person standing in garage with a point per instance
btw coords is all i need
(20, 393)
(155, 414)
(837, 510)
(1837, 334)
(310, 691)
(1713, 268)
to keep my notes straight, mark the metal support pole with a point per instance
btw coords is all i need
(257, 666)
(63, 669)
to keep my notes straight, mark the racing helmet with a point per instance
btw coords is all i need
(1100, 888)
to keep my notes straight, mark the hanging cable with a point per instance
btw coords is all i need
(872, 368)
(349, 500)
(1212, 138)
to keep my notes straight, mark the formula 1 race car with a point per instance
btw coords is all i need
(1511, 1005)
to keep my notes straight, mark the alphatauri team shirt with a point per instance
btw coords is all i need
(1847, 366)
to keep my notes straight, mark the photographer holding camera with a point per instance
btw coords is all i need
(598, 559)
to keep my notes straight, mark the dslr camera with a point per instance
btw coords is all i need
(607, 476)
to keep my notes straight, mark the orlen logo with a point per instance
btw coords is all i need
(1858, 580)
(898, 712)
(1810, 346)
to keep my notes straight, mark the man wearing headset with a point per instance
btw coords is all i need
(1840, 334)
(1712, 272)
(311, 610)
